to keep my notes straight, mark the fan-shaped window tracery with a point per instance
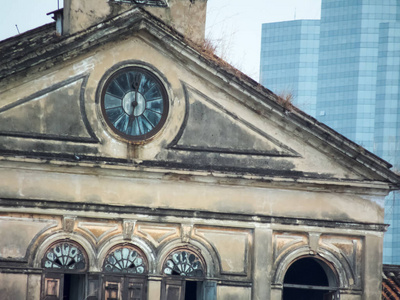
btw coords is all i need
(184, 263)
(125, 260)
(64, 256)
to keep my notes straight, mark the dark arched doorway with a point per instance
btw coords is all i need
(310, 279)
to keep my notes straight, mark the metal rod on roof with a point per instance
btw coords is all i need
(17, 28)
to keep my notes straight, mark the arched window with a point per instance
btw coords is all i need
(125, 260)
(185, 272)
(125, 268)
(310, 278)
(184, 263)
(65, 265)
(64, 256)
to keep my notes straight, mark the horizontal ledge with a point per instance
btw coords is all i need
(310, 287)
(230, 174)
(207, 215)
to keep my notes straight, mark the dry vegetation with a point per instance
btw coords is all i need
(285, 99)
(210, 49)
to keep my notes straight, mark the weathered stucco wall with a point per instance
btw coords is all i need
(233, 293)
(20, 286)
(90, 185)
(121, 184)
(254, 255)
(229, 176)
(13, 286)
(185, 16)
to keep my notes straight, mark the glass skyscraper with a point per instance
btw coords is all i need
(289, 60)
(387, 126)
(356, 78)
(348, 65)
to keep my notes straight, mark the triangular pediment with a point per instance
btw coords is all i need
(209, 127)
(219, 134)
(218, 121)
(56, 113)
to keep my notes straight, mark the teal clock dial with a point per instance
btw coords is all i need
(134, 103)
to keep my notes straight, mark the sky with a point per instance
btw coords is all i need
(233, 26)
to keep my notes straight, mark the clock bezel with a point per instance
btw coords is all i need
(155, 77)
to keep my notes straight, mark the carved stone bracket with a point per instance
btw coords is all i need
(314, 242)
(186, 232)
(128, 228)
(69, 223)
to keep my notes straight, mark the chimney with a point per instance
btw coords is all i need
(81, 14)
(186, 16)
(58, 17)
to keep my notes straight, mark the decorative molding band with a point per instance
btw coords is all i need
(166, 212)
(160, 3)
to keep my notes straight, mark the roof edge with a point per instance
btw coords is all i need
(140, 19)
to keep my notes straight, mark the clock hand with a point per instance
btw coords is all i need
(135, 86)
(134, 102)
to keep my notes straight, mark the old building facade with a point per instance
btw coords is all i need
(134, 164)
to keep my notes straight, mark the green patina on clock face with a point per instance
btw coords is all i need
(134, 103)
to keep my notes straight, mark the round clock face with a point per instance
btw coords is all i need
(134, 103)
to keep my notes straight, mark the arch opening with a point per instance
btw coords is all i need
(125, 268)
(125, 260)
(186, 270)
(65, 264)
(309, 278)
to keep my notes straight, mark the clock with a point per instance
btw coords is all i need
(134, 103)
